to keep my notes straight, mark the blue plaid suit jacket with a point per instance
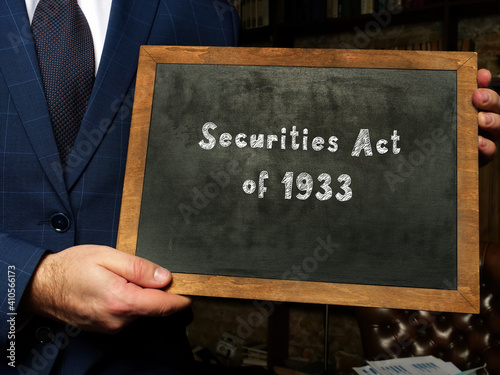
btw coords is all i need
(32, 184)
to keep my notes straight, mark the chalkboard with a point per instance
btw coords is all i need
(271, 173)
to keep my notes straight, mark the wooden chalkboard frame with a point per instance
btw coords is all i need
(466, 296)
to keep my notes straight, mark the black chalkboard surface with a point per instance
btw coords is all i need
(336, 175)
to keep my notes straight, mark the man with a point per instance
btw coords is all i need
(84, 308)
(73, 309)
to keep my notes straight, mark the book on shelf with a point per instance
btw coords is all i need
(394, 5)
(252, 13)
(280, 11)
(345, 9)
(355, 7)
(332, 8)
(318, 10)
(256, 13)
(255, 355)
(367, 6)
(424, 46)
(466, 45)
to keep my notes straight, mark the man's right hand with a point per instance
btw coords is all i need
(98, 288)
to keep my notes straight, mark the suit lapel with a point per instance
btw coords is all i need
(129, 27)
(19, 66)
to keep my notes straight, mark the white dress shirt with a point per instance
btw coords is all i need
(97, 14)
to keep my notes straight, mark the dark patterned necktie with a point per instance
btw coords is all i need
(65, 52)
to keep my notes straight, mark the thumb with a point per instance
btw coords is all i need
(136, 270)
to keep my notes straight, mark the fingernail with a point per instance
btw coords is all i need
(486, 97)
(482, 142)
(488, 119)
(161, 275)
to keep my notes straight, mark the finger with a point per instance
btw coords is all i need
(489, 125)
(154, 302)
(137, 270)
(487, 150)
(483, 78)
(486, 100)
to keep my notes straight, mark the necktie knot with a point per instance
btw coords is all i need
(65, 53)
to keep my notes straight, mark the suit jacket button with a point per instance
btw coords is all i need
(44, 335)
(60, 222)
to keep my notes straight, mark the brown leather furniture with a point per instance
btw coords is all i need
(467, 340)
